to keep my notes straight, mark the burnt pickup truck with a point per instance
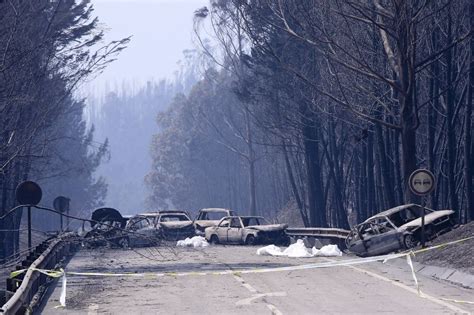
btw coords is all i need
(249, 230)
(397, 229)
(208, 217)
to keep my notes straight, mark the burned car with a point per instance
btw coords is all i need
(107, 228)
(249, 230)
(140, 231)
(171, 224)
(397, 229)
(210, 217)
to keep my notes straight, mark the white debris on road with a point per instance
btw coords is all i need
(327, 251)
(195, 241)
(270, 250)
(299, 250)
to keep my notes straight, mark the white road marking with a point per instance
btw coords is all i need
(248, 301)
(407, 288)
(245, 284)
(274, 310)
(257, 296)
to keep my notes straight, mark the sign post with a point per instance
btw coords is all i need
(28, 193)
(61, 204)
(422, 183)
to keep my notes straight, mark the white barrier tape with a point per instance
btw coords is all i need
(410, 263)
(421, 294)
(62, 298)
(457, 301)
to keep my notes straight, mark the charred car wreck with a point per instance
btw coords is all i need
(249, 230)
(397, 229)
(173, 225)
(139, 231)
(210, 217)
(107, 228)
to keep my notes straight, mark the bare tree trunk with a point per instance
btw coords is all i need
(338, 176)
(294, 188)
(363, 212)
(451, 133)
(251, 161)
(467, 125)
(385, 173)
(433, 114)
(317, 213)
(370, 174)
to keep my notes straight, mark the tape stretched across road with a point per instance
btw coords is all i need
(150, 275)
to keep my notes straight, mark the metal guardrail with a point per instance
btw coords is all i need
(25, 286)
(318, 232)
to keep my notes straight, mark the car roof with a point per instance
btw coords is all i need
(244, 216)
(215, 210)
(390, 211)
(157, 213)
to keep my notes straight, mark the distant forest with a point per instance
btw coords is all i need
(126, 117)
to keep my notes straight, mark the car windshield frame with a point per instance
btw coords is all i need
(260, 221)
(207, 215)
(405, 215)
(132, 224)
(177, 215)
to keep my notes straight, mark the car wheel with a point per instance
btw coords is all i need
(124, 242)
(214, 240)
(250, 240)
(409, 241)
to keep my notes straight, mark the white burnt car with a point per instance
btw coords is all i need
(397, 229)
(210, 217)
(249, 230)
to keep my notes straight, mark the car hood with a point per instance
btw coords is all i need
(428, 219)
(206, 223)
(268, 228)
(176, 225)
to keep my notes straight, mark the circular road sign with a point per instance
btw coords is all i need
(28, 193)
(61, 204)
(421, 182)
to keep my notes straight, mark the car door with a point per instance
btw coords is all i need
(357, 242)
(369, 238)
(148, 231)
(222, 230)
(132, 227)
(389, 236)
(234, 233)
(380, 238)
(135, 237)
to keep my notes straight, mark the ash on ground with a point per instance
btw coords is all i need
(457, 256)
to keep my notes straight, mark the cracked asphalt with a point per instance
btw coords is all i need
(372, 288)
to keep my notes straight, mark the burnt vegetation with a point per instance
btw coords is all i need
(312, 112)
(48, 48)
(318, 111)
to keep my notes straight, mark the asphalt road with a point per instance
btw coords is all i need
(364, 289)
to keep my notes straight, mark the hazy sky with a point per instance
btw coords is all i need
(161, 30)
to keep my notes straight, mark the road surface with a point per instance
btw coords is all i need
(365, 289)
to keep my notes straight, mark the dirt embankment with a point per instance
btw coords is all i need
(458, 256)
